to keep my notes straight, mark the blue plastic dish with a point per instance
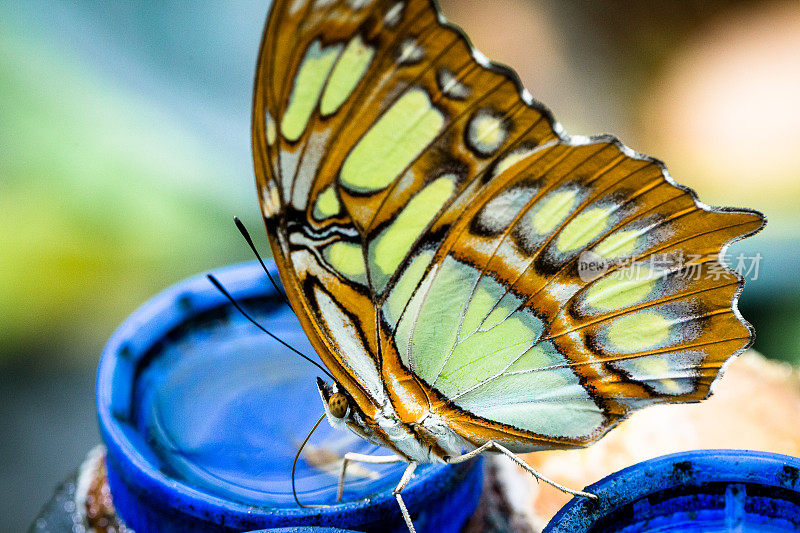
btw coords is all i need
(202, 415)
(705, 490)
(307, 529)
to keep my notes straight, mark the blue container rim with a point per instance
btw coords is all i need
(142, 330)
(304, 529)
(684, 469)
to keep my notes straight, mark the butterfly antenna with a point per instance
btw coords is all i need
(294, 463)
(221, 289)
(246, 235)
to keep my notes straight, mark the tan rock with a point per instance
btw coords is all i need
(755, 406)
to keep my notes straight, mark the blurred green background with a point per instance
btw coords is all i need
(124, 153)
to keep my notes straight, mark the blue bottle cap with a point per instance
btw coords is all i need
(306, 529)
(202, 414)
(703, 490)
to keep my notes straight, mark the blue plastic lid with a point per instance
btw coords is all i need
(704, 490)
(307, 529)
(202, 414)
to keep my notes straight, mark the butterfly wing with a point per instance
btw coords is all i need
(514, 342)
(427, 218)
(348, 97)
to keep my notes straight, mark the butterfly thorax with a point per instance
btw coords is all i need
(427, 440)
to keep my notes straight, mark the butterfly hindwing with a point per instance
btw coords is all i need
(433, 229)
(506, 328)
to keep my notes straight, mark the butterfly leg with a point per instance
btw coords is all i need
(361, 458)
(400, 486)
(493, 446)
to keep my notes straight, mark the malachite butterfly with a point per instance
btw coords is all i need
(429, 220)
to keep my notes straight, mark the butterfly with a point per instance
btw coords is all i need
(474, 279)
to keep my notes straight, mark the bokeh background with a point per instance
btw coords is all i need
(124, 153)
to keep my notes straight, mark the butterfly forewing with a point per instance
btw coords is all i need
(434, 229)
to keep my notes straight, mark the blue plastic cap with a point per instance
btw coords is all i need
(308, 529)
(202, 414)
(704, 490)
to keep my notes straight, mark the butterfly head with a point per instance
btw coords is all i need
(337, 404)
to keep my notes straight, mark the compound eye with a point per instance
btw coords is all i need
(337, 404)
